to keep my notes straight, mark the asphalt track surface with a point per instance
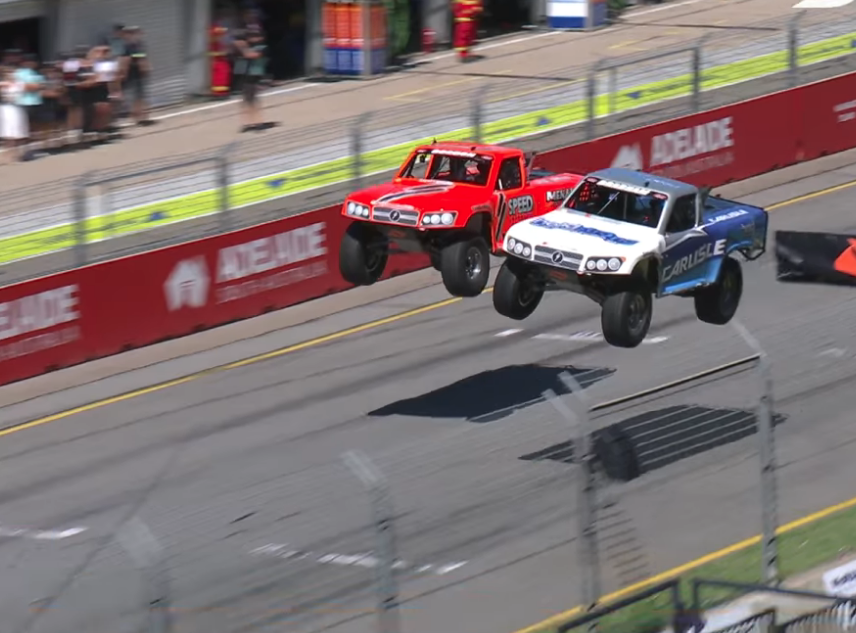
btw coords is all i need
(235, 460)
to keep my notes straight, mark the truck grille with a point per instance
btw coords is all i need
(549, 256)
(396, 216)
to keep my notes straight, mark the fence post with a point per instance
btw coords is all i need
(767, 454)
(478, 113)
(697, 72)
(583, 455)
(357, 148)
(385, 552)
(79, 215)
(613, 89)
(147, 553)
(222, 167)
(794, 49)
(591, 100)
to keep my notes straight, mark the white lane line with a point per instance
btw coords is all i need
(835, 352)
(821, 4)
(366, 559)
(510, 332)
(40, 535)
(592, 336)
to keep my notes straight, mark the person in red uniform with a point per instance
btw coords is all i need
(221, 70)
(465, 13)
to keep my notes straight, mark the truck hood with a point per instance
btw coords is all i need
(586, 235)
(423, 195)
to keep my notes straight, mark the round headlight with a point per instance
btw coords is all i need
(590, 264)
(426, 219)
(601, 264)
(351, 207)
(518, 248)
(435, 219)
(365, 212)
(446, 218)
(511, 242)
(614, 263)
(527, 251)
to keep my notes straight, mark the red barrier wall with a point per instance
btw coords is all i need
(107, 308)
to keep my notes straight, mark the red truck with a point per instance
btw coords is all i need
(452, 200)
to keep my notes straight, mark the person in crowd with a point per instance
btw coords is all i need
(136, 70)
(54, 109)
(117, 43)
(72, 77)
(106, 69)
(30, 99)
(14, 130)
(252, 48)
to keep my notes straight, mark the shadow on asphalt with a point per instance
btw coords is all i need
(493, 395)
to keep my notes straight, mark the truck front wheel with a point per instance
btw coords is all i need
(626, 316)
(514, 296)
(363, 254)
(717, 304)
(465, 267)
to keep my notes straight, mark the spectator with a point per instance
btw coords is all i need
(54, 109)
(30, 99)
(72, 77)
(107, 90)
(136, 69)
(252, 48)
(13, 120)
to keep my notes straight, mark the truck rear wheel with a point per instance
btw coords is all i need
(465, 267)
(363, 254)
(513, 295)
(717, 304)
(626, 316)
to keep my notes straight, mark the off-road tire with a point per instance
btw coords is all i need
(513, 296)
(625, 316)
(465, 267)
(717, 304)
(363, 254)
(616, 453)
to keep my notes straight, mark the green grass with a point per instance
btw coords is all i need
(800, 549)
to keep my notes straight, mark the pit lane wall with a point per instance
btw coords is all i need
(111, 307)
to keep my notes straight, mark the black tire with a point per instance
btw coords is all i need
(465, 267)
(436, 261)
(626, 317)
(717, 304)
(615, 451)
(363, 254)
(513, 297)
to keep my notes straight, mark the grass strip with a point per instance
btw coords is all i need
(800, 550)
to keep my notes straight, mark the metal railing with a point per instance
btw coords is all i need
(103, 213)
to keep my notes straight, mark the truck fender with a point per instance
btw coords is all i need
(647, 266)
(479, 224)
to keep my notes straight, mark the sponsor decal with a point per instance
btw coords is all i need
(269, 253)
(559, 195)
(187, 285)
(694, 149)
(629, 157)
(606, 236)
(521, 205)
(34, 314)
(40, 311)
(739, 213)
(846, 261)
(845, 111)
(276, 255)
(705, 138)
(694, 259)
(841, 580)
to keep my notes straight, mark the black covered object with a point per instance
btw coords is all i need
(826, 258)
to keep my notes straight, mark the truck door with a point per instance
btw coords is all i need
(514, 202)
(684, 259)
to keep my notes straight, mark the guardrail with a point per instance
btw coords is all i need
(128, 209)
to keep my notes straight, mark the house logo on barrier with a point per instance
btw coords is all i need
(629, 157)
(187, 285)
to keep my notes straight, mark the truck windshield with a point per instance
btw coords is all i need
(472, 169)
(618, 201)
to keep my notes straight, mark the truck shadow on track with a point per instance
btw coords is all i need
(662, 437)
(492, 395)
